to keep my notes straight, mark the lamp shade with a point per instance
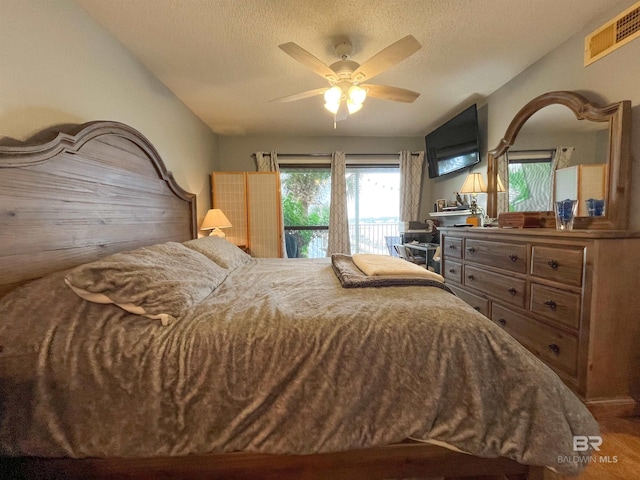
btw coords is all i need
(357, 94)
(332, 107)
(333, 95)
(215, 219)
(353, 107)
(344, 99)
(474, 184)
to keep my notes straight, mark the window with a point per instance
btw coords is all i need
(373, 196)
(373, 203)
(530, 180)
(306, 197)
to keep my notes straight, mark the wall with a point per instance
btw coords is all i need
(59, 66)
(236, 152)
(611, 79)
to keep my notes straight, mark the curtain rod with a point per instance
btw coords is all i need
(347, 154)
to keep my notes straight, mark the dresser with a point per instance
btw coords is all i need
(571, 298)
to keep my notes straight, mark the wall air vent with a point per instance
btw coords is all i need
(612, 35)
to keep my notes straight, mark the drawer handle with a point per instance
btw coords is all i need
(552, 264)
(476, 308)
(502, 321)
(512, 291)
(471, 250)
(551, 304)
(452, 246)
(470, 277)
(554, 348)
(513, 257)
(451, 270)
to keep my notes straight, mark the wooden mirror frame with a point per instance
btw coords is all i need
(618, 194)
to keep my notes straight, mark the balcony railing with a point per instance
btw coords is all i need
(311, 242)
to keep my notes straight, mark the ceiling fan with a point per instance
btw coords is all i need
(346, 92)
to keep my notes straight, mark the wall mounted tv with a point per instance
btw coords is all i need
(454, 145)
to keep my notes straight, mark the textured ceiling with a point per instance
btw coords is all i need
(221, 57)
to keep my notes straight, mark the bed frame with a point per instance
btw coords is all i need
(91, 190)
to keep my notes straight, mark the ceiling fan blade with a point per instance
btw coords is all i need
(301, 95)
(308, 60)
(394, 94)
(386, 58)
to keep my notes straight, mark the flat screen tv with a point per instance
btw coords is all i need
(454, 145)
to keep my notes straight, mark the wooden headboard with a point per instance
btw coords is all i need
(93, 190)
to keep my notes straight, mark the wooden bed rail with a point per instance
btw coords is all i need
(405, 460)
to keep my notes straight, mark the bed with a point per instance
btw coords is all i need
(190, 359)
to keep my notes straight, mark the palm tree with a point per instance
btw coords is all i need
(307, 187)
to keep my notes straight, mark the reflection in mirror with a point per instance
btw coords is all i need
(561, 146)
(552, 139)
(530, 180)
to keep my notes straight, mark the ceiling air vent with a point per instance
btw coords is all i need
(612, 35)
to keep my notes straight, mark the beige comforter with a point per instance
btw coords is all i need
(279, 358)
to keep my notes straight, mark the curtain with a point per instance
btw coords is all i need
(338, 217)
(503, 171)
(560, 160)
(268, 162)
(410, 184)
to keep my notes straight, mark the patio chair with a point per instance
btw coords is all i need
(390, 241)
(406, 254)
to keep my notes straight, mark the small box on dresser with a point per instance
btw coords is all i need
(569, 297)
(519, 220)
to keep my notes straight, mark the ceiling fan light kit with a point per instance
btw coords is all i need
(345, 92)
(346, 95)
(357, 94)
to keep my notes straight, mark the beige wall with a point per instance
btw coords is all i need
(59, 66)
(235, 152)
(613, 78)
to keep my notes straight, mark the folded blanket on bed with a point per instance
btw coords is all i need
(371, 264)
(351, 276)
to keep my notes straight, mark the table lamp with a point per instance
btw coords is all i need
(215, 220)
(473, 185)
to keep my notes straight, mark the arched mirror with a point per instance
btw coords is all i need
(561, 141)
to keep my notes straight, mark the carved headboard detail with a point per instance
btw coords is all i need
(81, 196)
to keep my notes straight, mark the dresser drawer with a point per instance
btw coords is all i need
(477, 302)
(452, 247)
(453, 271)
(555, 348)
(503, 287)
(507, 256)
(557, 305)
(560, 264)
